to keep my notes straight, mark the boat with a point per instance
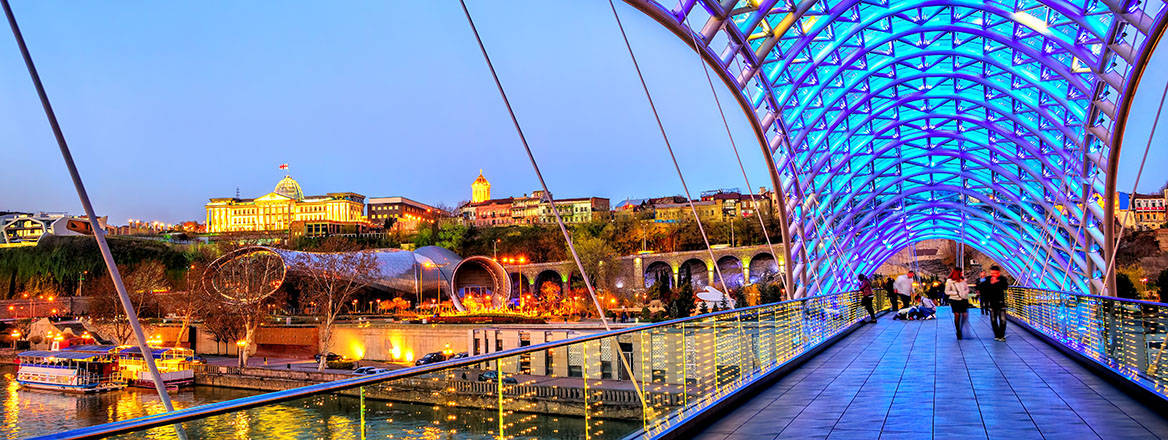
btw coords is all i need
(71, 371)
(175, 364)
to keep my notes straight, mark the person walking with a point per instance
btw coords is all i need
(958, 292)
(993, 297)
(904, 288)
(892, 296)
(867, 295)
(977, 294)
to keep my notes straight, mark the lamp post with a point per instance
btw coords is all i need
(495, 249)
(81, 280)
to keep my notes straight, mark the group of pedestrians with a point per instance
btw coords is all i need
(991, 290)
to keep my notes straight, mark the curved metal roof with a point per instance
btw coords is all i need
(892, 122)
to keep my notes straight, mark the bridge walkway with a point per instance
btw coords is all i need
(908, 380)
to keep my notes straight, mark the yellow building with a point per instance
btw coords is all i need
(287, 208)
(480, 190)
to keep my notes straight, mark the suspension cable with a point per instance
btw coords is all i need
(669, 147)
(1118, 239)
(550, 199)
(734, 147)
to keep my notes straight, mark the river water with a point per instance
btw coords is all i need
(30, 413)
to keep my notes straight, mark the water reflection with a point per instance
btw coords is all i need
(338, 417)
(33, 412)
(30, 413)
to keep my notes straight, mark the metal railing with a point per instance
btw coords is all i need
(575, 388)
(1126, 336)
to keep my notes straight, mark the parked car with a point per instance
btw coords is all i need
(431, 358)
(369, 370)
(493, 376)
(460, 355)
(329, 357)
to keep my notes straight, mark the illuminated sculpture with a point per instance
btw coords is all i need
(997, 124)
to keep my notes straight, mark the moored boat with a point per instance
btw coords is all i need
(174, 364)
(69, 370)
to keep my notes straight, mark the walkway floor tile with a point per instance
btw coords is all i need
(914, 380)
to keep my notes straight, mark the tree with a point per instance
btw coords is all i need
(186, 304)
(683, 302)
(141, 283)
(599, 259)
(329, 279)
(1125, 288)
(243, 287)
(739, 298)
(1162, 283)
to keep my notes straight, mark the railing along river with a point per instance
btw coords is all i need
(681, 368)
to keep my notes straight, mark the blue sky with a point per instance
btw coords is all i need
(167, 104)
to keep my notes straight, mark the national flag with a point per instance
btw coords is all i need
(283, 166)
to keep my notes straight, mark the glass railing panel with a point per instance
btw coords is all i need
(1127, 336)
(637, 382)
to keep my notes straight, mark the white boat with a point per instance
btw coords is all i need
(174, 364)
(69, 371)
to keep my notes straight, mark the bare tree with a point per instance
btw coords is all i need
(329, 279)
(189, 303)
(142, 281)
(244, 286)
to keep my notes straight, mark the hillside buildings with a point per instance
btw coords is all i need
(482, 211)
(400, 213)
(1142, 212)
(27, 229)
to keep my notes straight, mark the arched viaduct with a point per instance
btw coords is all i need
(740, 265)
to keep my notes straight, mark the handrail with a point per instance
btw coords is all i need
(1116, 334)
(211, 409)
(1101, 297)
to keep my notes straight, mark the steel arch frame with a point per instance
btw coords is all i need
(1063, 155)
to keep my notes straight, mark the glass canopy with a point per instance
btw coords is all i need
(892, 122)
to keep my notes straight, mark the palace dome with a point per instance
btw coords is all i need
(288, 187)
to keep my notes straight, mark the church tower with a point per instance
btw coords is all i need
(480, 190)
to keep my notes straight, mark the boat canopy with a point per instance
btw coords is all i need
(92, 348)
(66, 354)
(157, 352)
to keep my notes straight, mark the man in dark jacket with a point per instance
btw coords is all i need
(993, 297)
(892, 297)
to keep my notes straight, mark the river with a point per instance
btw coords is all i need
(31, 413)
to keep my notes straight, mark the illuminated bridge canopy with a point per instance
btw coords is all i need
(891, 122)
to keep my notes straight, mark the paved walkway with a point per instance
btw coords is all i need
(908, 380)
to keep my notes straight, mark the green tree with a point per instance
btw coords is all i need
(451, 235)
(599, 259)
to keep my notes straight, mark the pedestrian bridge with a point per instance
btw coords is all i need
(1072, 365)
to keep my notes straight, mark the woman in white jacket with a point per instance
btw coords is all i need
(958, 292)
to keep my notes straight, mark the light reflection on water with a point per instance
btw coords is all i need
(30, 413)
